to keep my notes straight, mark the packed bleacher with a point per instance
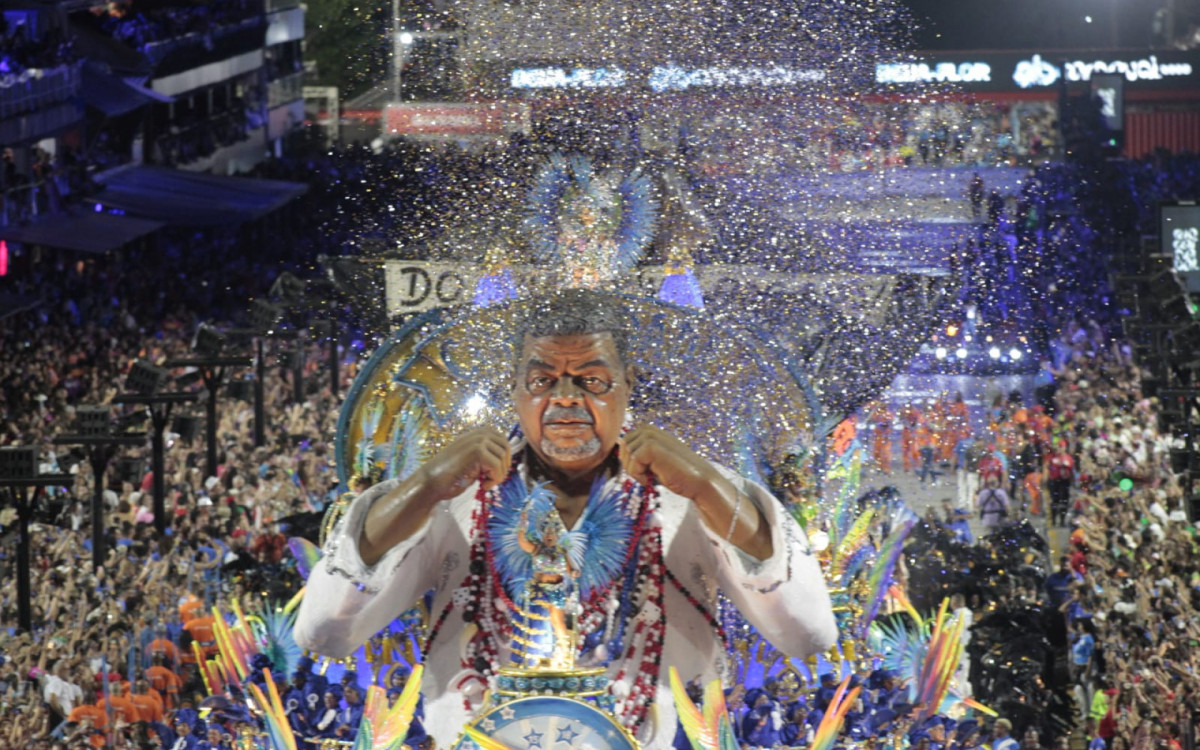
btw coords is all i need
(141, 24)
(21, 50)
(1130, 599)
(225, 545)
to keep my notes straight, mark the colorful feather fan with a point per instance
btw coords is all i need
(856, 540)
(707, 728)
(901, 598)
(639, 216)
(384, 728)
(848, 468)
(277, 642)
(213, 682)
(306, 553)
(233, 647)
(367, 452)
(407, 446)
(237, 644)
(928, 654)
(831, 723)
(275, 718)
(483, 742)
(880, 576)
(942, 655)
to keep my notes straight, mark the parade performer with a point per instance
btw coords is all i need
(958, 421)
(661, 529)
(910, 419)
(542, 608)
(881, 418)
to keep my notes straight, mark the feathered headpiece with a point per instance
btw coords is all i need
(591, 227)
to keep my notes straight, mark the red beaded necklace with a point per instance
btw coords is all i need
(485, 603)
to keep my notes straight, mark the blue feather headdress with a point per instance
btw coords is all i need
(597, 547)
(594, 227)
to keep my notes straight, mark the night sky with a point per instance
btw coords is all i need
(1037, 24)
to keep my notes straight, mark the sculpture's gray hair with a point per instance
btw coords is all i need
(575, 312)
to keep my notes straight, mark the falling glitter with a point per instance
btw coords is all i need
(769, 144)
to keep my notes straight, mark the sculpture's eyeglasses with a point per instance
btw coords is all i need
(540, 384)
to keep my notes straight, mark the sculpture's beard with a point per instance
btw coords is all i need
(573, 450)
(586, 449)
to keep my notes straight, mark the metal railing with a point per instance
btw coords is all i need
(286, 89)
(20, 203)
(35, 89)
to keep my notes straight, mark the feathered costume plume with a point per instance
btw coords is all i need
(598, 547)
(851, 551)
(848, 468)
(928, 654)
(707, 728)
(275, 718)
(561, 182)
(880, 576)
(407, 446)
(384, 728)
(367, 452)
(835, 715)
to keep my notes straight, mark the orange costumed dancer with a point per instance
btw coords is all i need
(881, 417)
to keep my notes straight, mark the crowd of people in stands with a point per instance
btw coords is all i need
(110, 649)
(21, 50)
(137, 25)
(1130, 594)
(226, 541)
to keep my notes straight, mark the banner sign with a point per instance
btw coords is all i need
(1017, 71)
(1034, 71)
(1110, 91)
(1179, 230)
(418, 286)
(659, 78)
(456, 120)
(1037, 71)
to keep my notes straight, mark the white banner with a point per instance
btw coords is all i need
(417, 286)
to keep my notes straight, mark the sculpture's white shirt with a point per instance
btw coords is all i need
(784, 597)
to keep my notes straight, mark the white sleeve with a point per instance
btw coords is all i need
(347, 601)
(784, 596)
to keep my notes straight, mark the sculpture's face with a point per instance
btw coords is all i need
(570, 396)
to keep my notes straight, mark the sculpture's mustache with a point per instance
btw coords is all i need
(576, 414)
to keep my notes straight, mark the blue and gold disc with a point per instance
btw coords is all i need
(550, 723)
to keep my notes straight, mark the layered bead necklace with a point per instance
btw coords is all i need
(605, 630)
(623, 620)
